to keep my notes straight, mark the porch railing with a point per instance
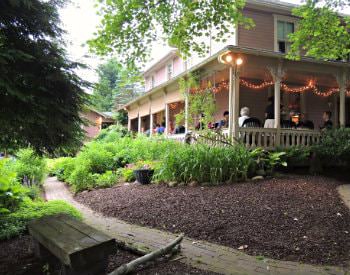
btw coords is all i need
(283, 138)
(264, 137)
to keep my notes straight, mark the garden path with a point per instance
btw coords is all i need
(199, 254)
(344, 191)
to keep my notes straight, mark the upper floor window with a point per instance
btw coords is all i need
(153, 81)
(283, 27)
(169, 70)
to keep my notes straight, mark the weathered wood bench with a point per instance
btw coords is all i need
(80, 248)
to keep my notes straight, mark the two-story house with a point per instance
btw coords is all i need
(246, 72)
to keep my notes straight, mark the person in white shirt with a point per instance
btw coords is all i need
(244, 115)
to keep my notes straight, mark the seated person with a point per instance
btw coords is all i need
(244, 116)
(224, 122)
(327, 123)
(270, 113)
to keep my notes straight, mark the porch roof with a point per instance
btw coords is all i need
(305, 63)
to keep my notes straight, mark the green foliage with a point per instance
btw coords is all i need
(116, 86)
(128, 28)
(334, 147)
(321, 33)
(201, 105)
(30, 167)
(204, 164)
(128, 174)
(112, 133)
(107, 179)
(41, 95)
(296, 156)
(263, 162)
(12, 192)
(15, 223)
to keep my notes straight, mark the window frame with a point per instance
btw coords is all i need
(283, 18)
(153, 81)
(171, 64)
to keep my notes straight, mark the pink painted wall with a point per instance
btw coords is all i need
(160, 76)
(94, 127)
(178, 66)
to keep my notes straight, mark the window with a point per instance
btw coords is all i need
(283, 30)
(153, 81)
(283, 27)
(169, 70)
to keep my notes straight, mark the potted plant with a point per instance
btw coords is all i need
(144, 172)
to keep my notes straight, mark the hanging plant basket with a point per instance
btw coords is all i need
(144, 176)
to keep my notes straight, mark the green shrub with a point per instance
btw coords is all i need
(82, 178)
(30, 168)
(204, 164)
(128, 174)
(12, 192)
(63, 168)
(107, 179)
(263, 163)
(334, 147)
(296, 156)
(113, 133)
(15, 223)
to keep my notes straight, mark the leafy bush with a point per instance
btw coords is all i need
(128, 174)
(12, 192)
(112, 133)
(15, 223)
(30, 168)
(63, 167)
(204, 164)
(263, 163)
(107, 179)
(296, 156)
(81, 178)
(334, 147)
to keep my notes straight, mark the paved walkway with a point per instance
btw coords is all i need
(200, 254)
(344, 192)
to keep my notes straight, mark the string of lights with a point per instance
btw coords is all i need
(311, 86)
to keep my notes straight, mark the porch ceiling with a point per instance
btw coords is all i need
(296, 72)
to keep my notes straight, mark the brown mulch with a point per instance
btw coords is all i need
(17, 258)
(297, 218)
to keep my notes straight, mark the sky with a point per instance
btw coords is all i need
(80, 20)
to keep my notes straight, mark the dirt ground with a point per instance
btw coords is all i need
(296, 218)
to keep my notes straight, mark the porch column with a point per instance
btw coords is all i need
(150, 117)
(129, 124)
(233, 102)
(186, 111)
(342, 82)
(139, 124)
(166, 119)
(277, 75)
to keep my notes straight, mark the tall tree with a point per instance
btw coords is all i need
(322, 33)
(116, 86)
(41, 96)
(129, 27)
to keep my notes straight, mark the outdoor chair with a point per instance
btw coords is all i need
(252, 122)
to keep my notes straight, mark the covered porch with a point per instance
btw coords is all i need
(302, 91)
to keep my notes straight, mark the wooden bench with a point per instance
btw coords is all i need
(80, 248)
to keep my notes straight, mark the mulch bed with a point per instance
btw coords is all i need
(296, 218)
(17, 258)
